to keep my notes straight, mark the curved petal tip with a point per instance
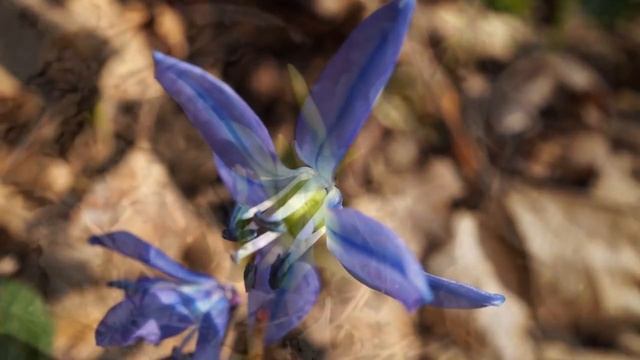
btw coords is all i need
(496, 300)
(160, 58)
(157, 55)
(454, 295)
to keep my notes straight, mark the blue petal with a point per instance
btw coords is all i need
(248, 190)
(349, 86)
(151, 314)
(287, 305)
(244, 189)
(451, 294)
(376, 256)
(213, 326)
(130, 245)
(233, 131)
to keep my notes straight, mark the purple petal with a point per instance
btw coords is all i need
(131, 246)
(244, 189)
(349, 86)
(248, 190)
(213, 326)
(148, 315)
(288, 305)
(233, 131)
(376, 256)
(451, 294)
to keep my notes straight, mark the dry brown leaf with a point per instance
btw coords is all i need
(490, 333)
(584, 259)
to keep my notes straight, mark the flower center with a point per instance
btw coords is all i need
(295, 216)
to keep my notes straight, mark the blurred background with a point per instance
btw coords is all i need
(505, 151)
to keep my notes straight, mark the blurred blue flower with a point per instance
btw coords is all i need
(160, 307)
(282, 212)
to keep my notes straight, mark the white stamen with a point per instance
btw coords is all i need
(300, 247)
(296, 202)
(303, 241)
(263, 206)
(255, 245)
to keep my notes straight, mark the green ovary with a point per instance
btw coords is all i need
(299, 218)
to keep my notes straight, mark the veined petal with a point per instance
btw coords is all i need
(347, 89)
(131, 246)
(244, 189)
(213, 326)
(148, 315)
(233, 131)
(250, 191)
(287, 305)
(376, 256)
(452, 294)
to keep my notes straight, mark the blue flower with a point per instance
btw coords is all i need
(155, 308)
(282, 213)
